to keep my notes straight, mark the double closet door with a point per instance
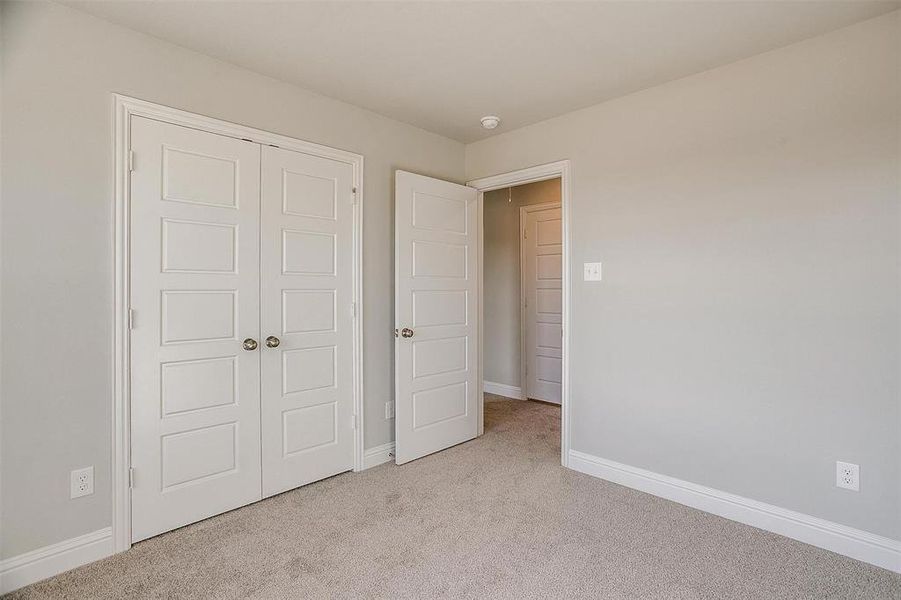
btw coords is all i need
(241, 322)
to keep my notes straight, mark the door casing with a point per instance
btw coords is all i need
(124, 107)
(543, 172)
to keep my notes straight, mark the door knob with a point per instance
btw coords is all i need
(250, 344)
(406, 332)
(272, 342)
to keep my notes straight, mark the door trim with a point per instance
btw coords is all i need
(523, 359)
(125, 107)
(553, 170)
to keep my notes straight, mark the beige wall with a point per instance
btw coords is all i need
(60, 67)
(502, 327)
(746, 334)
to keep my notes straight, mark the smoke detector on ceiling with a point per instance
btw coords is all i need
(490, 122)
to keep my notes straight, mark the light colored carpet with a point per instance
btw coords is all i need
(497, 517)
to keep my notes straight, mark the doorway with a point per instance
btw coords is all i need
(523, 292)
(440, 306)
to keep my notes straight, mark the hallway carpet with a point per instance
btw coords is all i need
(497, 517)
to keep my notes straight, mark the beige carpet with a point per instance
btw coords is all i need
(493, 518)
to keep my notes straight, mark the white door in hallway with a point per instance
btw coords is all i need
(436, 305)
(307, 318)
(542, 291)
(195, 389)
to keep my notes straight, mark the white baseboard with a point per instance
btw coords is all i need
(22, 570)
(378, 455)
(841, 539)
(502, 389)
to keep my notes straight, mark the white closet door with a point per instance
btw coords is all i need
(195, 391)
(436, 304)
(542, 272)
(306, 295)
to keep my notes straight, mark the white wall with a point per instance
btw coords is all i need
(746, 334)
(502, 327)
(59, 68)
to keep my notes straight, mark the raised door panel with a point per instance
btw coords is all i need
(442, 356)
(190, 385)
(308, 195)
(439, 260)
(195, 295)
(308, 252)
(439, 308)
(308, 369)
(191, 316)
(200, 178)
(435, 405)
(306, 291)
(309, 311)
(197, 247)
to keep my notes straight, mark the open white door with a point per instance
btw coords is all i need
(437, 318)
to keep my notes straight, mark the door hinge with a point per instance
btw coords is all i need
(131, 318)
(353, 195)
(131, 160)
(525, 234)
(353, 310)
(131, 478)
(354, 422)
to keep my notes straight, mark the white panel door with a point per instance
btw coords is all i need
(436, 305)
(195, 390)
(306, 294)
(542, 272)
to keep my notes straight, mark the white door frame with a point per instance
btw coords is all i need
(523, 358)
(553, 170)
(125, 108)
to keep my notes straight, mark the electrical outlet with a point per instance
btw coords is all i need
(389, 410)
(847, 476)
(81, 482)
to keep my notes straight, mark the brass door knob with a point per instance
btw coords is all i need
(406, 332)
(250, 344)
(272, 342)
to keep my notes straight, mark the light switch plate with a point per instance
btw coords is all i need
(592, 271)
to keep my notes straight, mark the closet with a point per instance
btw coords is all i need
(241, 298)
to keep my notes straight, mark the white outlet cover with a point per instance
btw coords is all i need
(81, 482)
(847, 476)
(389, 410)
(591, 271)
